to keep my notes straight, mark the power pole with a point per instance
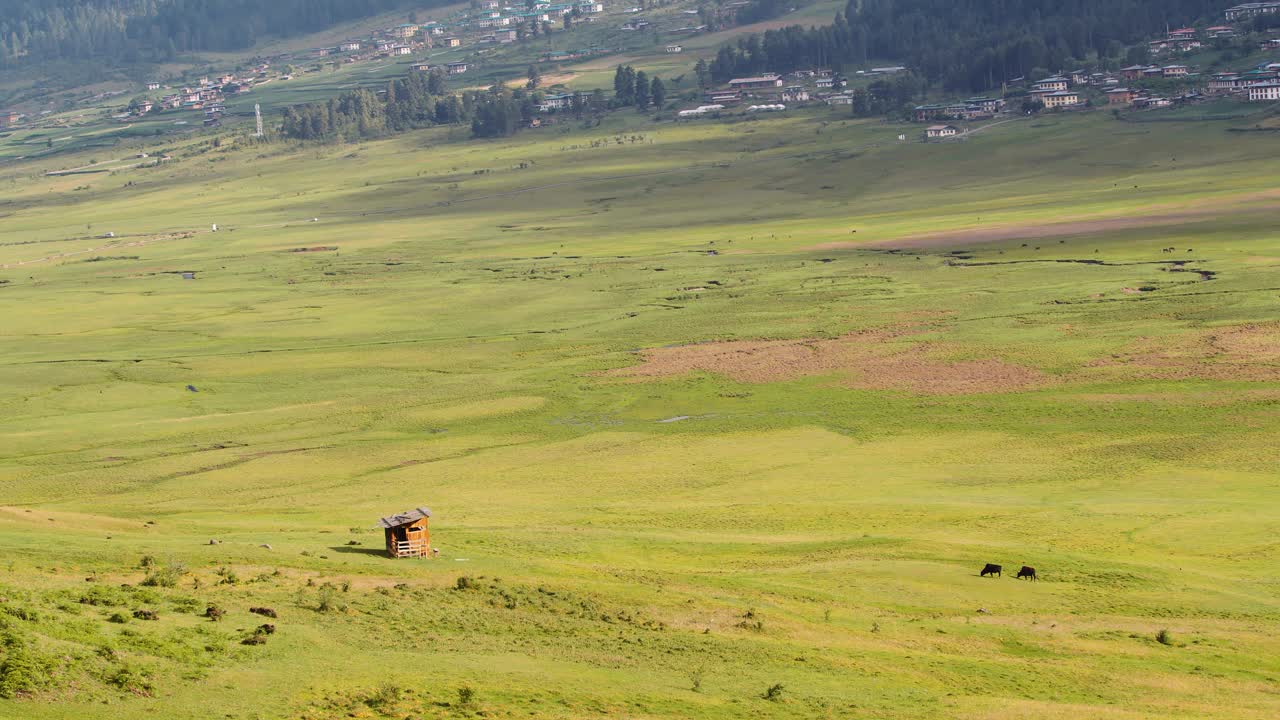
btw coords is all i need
(257, 112)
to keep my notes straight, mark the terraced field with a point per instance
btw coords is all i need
(715, 420)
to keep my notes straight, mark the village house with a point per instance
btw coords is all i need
(153, 86)
(1247, 11)
(1120, 96)
(590, 7)
(348, 46)
(505, 36)
(556, 102)
(1078, 77)
(1264, 92)
(401, 50)
(456, 68)
(489, 4)
(1225, 83)
(404, 31)
(941, 131)
(794, 94)
(384, 46)
(1133, 72)
(635, 25)
(756, 83)
(839, 99)
(723, 97)
(1220, 31)
(407, 534)
(825, 83)
(926, 113)
(451, 42)
(1059, 99)
(674, 48)
(985, 105)
(1174, 71)
(1050, 84)
(420, 67)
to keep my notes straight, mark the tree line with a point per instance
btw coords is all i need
(963, 45)
(633, 87)
(422, 100)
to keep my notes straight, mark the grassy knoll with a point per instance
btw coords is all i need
(701, 409)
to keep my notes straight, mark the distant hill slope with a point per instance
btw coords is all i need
(131, 31)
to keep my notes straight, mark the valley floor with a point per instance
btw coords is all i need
(715, 420)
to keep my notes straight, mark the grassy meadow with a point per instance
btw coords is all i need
(716, 420)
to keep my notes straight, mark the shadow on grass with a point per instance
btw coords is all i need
(381, 552)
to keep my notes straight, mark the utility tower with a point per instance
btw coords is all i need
(257, 113)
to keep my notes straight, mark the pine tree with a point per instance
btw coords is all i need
(659, 93)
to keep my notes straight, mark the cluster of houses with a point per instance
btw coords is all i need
(799, 87)
(208, 94)
(1072, 90)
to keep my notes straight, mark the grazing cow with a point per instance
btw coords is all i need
(1027, 572)
(990, 569)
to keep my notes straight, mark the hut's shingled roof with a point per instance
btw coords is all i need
(405, 518)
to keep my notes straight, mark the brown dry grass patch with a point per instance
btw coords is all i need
(1243, 352)
(884, 359)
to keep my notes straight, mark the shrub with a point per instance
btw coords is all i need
(386, 696)
(326, 598)
(774, 692)
(131, 679)
(1164, 637)
(146, 615)
(466, 697)
(22, 672)
(464, 583)
(164, 576)
(214, 613)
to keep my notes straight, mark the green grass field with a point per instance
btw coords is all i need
(701, 409)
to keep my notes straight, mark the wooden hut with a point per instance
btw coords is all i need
(407, 533)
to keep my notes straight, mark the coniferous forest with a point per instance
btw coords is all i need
(964, 45)
(33, 31)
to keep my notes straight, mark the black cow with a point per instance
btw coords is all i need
(990, 569)
(1027, 572)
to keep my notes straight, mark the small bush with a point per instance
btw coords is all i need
(131, 679)
(1164, 637)
(264, 612)
(385, 697)
(146, 615)
(464, 583)
(255, 639)
(214, 613)
(164, 576)
(326, 598)
(774, 693)
(120, 618)
(466, 697)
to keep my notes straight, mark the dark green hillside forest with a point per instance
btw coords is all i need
(34, 31)
(965, 45)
